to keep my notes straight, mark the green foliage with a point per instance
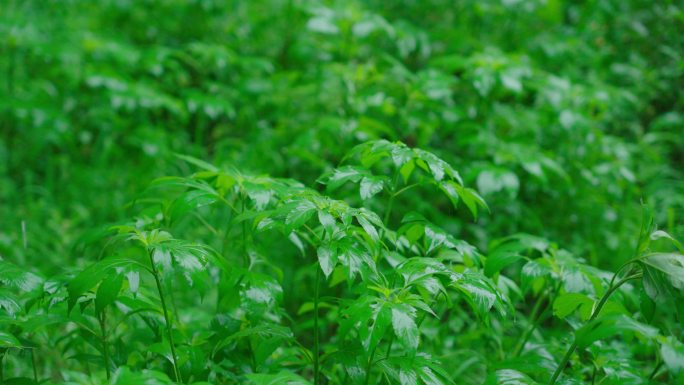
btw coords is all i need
(341, 192)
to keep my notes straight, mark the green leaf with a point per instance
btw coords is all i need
(124, 376)
(472, 200)
(672, 353)
(299, 213)
(660, 234)
(434, 164)
(327, 221)
(379, 320)
(499, 259)
(197, 162)
(353, 258)
(368, 227)
(670, 264)
(282, 378)
(7, 340)
(297, 242)
(510, 377)
(12, 275)
(8, 301)
(370, 185)
(407, 169)
(566, 304)
(108, 291)
(647, 227)
(327, 258)
(92, 275)
(264, 329)
(401, 154)
(608, 326)
(407, 376)
(405, 327)
(343, 175)
(188, 256)
(415, 369)
(190, 200)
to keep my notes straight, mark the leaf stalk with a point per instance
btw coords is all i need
(162, 299)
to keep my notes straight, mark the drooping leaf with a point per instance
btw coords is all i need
(404, 325)
(479, 292)
(376, 325)
(499, 259)
(670, 264)
(327, 258)
(608, 326)
(327, 221)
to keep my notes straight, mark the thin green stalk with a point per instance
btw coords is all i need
(369, 366)
(252, 357)
(403, 189)
(33, 364)
(653, 374)
(594, 314)
(316, 331)
(10, 71)
(155, 273)
(245, 255)
(391, 200)
(2, 373)
(389, 209)
(535, 317)
(389, 346)
(103, 338)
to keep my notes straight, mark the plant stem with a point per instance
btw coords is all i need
(33, 364)
(370, 365)
(252, 357)
(155, 273)
(103, 339)
(2, 374)
(535, 317)
(316, 331)
(391, 200)
(245, 255)
(389, 346)
(594, 314)
(655, 371)
(10, 71)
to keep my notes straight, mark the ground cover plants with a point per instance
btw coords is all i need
(341, 192)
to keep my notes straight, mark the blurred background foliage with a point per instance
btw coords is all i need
(563, 114)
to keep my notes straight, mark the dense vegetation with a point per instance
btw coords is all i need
(341, 192)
